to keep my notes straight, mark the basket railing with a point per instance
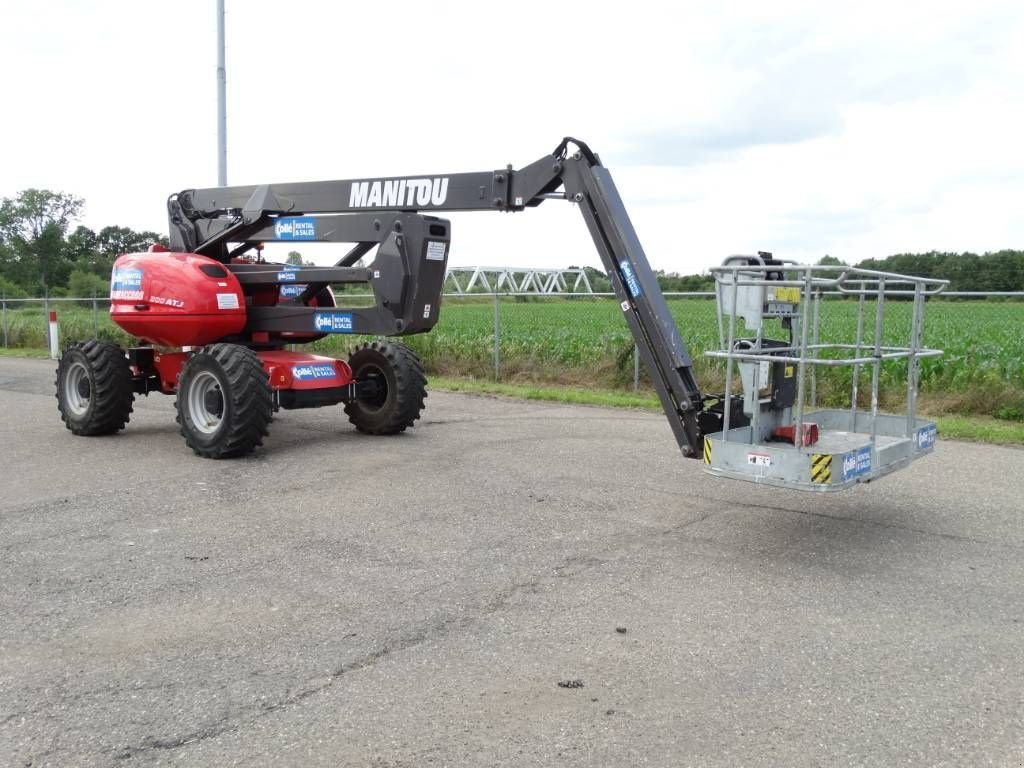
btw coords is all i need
(805, 346)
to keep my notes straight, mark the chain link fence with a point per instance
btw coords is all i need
(583, 340)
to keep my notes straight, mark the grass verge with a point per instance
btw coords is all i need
(566, 394)
(982, 429)
(22, 352)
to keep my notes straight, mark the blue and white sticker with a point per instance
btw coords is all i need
(926, 437)
(631, 282)
(295, 228)
(286, 276)
(292, 291)
(857, 463)
(313, 371)
(126, 283)
(332, 322)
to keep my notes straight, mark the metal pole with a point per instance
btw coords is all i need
(95, 320)
(877, 370)
(801, 367)
(497, 338)
(46, 315)
(856, 367)
(913, 364)
(222, 120)
(719, 296)
(3, 303)
(815, 340)
(726, 426)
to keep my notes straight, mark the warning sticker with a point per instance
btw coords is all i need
(435, 250)
(759, 460)
(227, 301)
(786, 295)
(821, 468)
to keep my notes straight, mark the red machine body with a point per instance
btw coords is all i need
(298, 371)
(181, 300)
(175, 299)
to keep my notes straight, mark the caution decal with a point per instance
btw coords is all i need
(707, 450)
(821, 468)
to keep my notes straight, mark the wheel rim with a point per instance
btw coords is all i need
(375, 374)
(206, 403)
(77, 388)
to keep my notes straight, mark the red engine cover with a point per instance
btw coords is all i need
(175, 299)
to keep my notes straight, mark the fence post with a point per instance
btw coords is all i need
(497, 338)
(51, 320)
(3, 313)
(636, 369)
(95, 321)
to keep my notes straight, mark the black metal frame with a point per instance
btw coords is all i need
(408, 271)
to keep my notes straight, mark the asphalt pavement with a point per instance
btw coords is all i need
(508, 584)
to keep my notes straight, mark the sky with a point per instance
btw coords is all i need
(803, 128)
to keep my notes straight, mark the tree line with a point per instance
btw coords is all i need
(987, 272)
(40, 254)
(994, 271)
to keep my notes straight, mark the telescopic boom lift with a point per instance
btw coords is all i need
(231, 315)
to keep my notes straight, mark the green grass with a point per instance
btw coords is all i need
(981, 429)
(23, 352)
(974, 428)
(584, 342)
(564, 394)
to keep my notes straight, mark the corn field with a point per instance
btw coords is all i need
(584, 340)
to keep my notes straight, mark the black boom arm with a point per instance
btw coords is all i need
(206, 220)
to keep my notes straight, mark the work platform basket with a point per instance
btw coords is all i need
(780, 437)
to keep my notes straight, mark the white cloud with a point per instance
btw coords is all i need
(803, 128)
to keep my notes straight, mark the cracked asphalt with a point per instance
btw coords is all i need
(343, 600)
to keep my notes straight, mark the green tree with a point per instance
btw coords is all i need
(9, 290)
(83, 284)
(95, 252)
(294, 258)
(998, 271)
(82, 246)
(32, 228)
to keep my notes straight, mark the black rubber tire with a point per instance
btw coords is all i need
(234, 375)
(102, 404)
(404, 388)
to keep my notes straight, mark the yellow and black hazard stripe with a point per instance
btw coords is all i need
(707, 450)
(821, 468)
